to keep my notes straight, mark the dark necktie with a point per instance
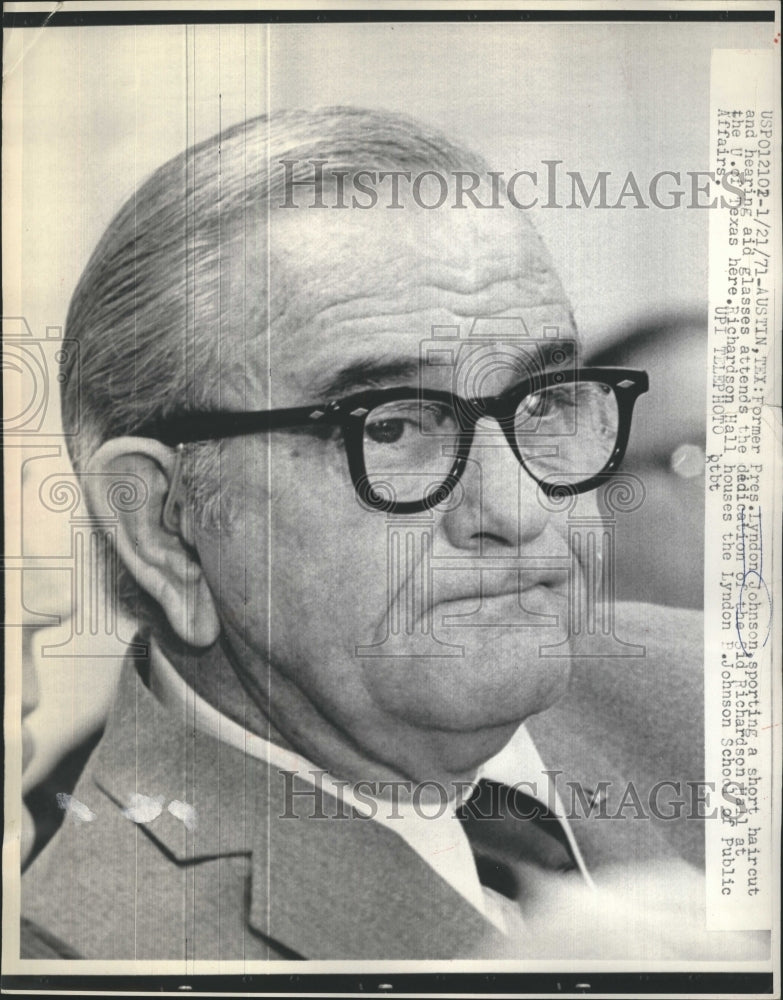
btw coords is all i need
(508, 830)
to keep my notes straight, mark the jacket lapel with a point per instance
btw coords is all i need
(326, 887)
(350, 887)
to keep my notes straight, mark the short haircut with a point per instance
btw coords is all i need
(145, 310)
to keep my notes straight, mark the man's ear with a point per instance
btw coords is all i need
(158, 551)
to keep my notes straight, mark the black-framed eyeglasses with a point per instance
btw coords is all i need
(407, 447)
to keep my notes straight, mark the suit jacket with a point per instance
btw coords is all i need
(246, 884)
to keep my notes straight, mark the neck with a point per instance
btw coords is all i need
(211, 675)
(254, 701)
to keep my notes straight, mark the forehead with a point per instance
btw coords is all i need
(347, 285)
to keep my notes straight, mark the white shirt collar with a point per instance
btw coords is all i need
(441, 842)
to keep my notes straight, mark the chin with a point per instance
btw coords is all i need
(489, 670)
(463, 697)
(466, 752)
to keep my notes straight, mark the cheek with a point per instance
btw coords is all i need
(329, 573)
(584, 517)
(583, 534)
(306, 550)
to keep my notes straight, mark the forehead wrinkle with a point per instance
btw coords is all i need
(394, 282)
(330, 270)
(406, 272)
(487, 300)
(333, 286)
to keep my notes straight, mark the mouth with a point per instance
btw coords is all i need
(463, 595)
(538, 606)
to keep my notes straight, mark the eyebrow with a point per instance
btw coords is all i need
(366, 373)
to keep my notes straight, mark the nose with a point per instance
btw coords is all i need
(498, 506)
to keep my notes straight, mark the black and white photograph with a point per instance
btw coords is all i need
(392, 498)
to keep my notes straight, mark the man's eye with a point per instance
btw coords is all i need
(393, 422)
(548, 402)
(385, 431)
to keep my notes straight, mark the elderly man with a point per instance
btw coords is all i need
(356, 445)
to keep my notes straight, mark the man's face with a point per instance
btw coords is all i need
(456, 602)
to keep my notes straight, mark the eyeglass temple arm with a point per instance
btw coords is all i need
(191, 428)
(210, 426)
